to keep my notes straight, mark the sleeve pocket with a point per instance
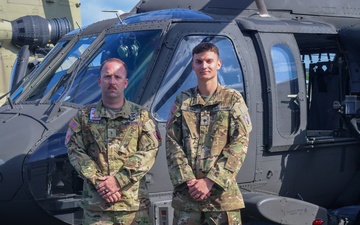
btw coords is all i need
(231, 164)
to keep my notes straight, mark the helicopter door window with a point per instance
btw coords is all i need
(180, 76)
(287, 88)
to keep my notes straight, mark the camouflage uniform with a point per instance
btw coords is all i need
(124, 146)
(207, 139)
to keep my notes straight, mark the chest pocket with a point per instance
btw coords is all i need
(95, 138)
(126, 138)
(220, 121)
(191, 117)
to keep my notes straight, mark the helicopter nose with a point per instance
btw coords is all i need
(16, 144)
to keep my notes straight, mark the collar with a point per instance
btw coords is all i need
(125, 111)
(215, 99)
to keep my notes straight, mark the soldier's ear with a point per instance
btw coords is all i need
(219, 64)
(126, 82)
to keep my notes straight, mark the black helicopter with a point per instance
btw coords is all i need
(295, 62)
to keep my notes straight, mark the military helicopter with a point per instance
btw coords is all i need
(35, 24)
(296, 64)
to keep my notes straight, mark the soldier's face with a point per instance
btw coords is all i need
(206, 65)
(113, 81)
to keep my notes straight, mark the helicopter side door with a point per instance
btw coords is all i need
(287, 110)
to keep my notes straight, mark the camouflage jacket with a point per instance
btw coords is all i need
(125, 147)
(207, 139)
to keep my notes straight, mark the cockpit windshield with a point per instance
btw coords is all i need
(34, 74)
(40, 87)
(134, 48)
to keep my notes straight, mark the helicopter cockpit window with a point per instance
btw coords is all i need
(180, 75)
(59, 70)
(134, 48)
(287, 88)
(33, 75)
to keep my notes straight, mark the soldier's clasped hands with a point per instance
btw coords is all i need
(109, 189)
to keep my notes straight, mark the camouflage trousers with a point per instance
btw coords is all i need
(140, 217)
(207, 218)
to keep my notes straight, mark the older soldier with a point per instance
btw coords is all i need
(112, 144)
(207, 139)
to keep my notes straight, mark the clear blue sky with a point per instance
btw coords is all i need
(91, 10)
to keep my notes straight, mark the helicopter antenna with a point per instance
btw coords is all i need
(78, 26)
(118, 14)
(260, 4)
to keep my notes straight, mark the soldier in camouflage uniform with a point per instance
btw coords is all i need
(112, 145)
(206, 144)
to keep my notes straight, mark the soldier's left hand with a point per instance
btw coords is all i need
(108, 186)
(201, 189)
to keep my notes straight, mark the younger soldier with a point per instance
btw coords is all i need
(206, 144)
(112, 144)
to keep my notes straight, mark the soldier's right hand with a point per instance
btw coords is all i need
(113, 198)
(191, 182)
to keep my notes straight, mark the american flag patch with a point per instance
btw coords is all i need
(73, 124)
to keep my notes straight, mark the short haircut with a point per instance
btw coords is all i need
(114, 60)
(204, 47)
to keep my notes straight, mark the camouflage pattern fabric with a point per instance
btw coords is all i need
(124, 146)
(207, 218)
(207, 139)
(140, 217)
